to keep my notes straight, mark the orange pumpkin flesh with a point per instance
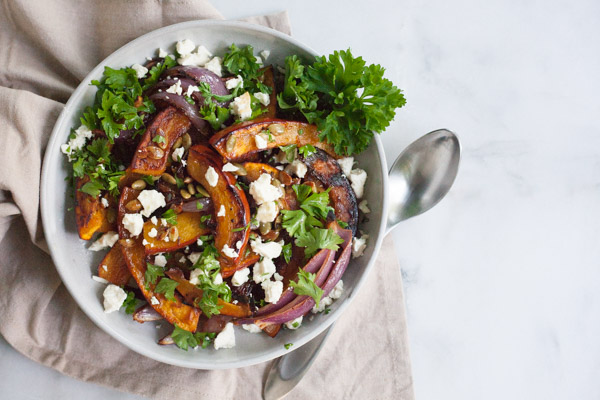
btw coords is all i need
(113, 267)
(189, 227)
(90, 214)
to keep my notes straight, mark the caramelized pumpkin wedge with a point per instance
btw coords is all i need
(153, 150)
(246, 261)
(238, 143)
(190, 293)
(90, 214)
(113, 267)
(233, 228)
(175, 312)
(254, 170)
(188, 229)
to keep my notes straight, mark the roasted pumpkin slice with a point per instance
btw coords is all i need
(190, 293)
(113, 267)
(246, 261)
(90, 214)
(254, 170)
(153, 150)
(232, 228)
(127, 195)
(328, 172)
(186, 317)
(188, 229)
(238, 142)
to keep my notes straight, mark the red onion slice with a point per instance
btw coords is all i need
(146, 314)
(179, 102)
(199, 75)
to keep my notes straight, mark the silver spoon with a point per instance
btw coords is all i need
(419, 178)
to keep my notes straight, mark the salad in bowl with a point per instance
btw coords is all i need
(224, 189)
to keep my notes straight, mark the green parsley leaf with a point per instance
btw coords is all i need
(306, 286)
(317, 205)
(288, 345)
(92, 188)
(211, 292)
(342, 224)
(167, 287)
(130, 303)
(152, 273)
(183, 339)
(159, 139)
(199, 205)
(214, 115)
(318, 238)
(290, 152)
(294, 222)
(302, 192)
(170, 216)
(286, 250)
(149, 179)
(156, 71)
(307, 150)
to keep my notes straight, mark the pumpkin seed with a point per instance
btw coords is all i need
(138, 185)
(188, 179)
(178, 143)
(155, 153)
(190, 189)
(185, 194)
(241, 171)
(133, 206)
(230, 144)
(264, 228)
(169, 178)
(173, 234)
(187, 141)
(276, 129)
(202, 191)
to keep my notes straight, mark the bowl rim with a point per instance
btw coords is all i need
(45, 191)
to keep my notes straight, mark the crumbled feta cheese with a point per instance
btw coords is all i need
(178, 154)
(194, 276)
(154, 220)
(214, 65)
(277, 277)
(229, 167)
(163, 222)
(82, 134)
(191, 89)
(234, 82)
(160, 260)
(265, 54)
(100, 280)
(264, 98)
(280, 167)
(252, 328)
(104, 202)
(297, 168)
(198, 58)
(162, 53)
(114, 297)
(105, 241)
(294, 324)
(182, 260)
(270, 250)
(221, 212)
(134, 223)
(241, 106)
(359, 245)
(273, 291)
(154, 301)
(364, 207)
(194, 257)
(211, 176)
(218, 279)
(225, 339)
(323, 303)
(105, 268)
(263, 270)
(240, 277)
(185, 46)
(267, 212)
(175, 88)
(229, 252)
(337, 290)
(346, 164)
(151, 200)
(261, 141)
(153, 233)
(262, 190)
(145, 242)
(259, 61)
(239, 244)
(358, 177)
(281, 157)
(140, 70)
(199, 242)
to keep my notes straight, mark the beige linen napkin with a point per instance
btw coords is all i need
(46, 48)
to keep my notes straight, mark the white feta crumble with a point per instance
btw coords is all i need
(277, 277)
(346, 164)
(183, 162)
(337, 290)
(198, 58)
(82, 134)
(239, 244)
(211, 176)
(163, 222)
(191, 89)
(270, 250)
(175, 88)
(104, 202)
(263, 270)
(241, 106)
(225, 339)
(199, 242)
(281, 157)
(297, 168)
(140, 70)
(261, 141)
(265, 54)
(229, 252)
(262, 191)
(229, 167)
(182, 259)
(185, 46)
(194, 276)
(154, 301)
(151, 200)
(259, 61)
(221, 212)
(358, 177)
(194, 257)
(134, 223)
(178, 154)
(359, 245)
(100, 280)
(218, 279)
(335, 294)
(364, 207)
(114, 297)
(294, 324)
(153, 233)
(214, 65)
(252, 328)
(105, 241)
(234, 82)
(267, 212)
(162, 53)
(264, 98)
(154, 220)
(323, 303)
(105, 268)
(273, 291)
(280, 167)
(240, 277)
(160, 260)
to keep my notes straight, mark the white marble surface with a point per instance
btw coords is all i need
(501, 278)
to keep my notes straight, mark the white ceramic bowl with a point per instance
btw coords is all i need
(76, 264)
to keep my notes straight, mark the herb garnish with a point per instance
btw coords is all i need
(306, 286)
(184, 339)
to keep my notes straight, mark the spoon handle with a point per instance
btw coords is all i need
(288, 370)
